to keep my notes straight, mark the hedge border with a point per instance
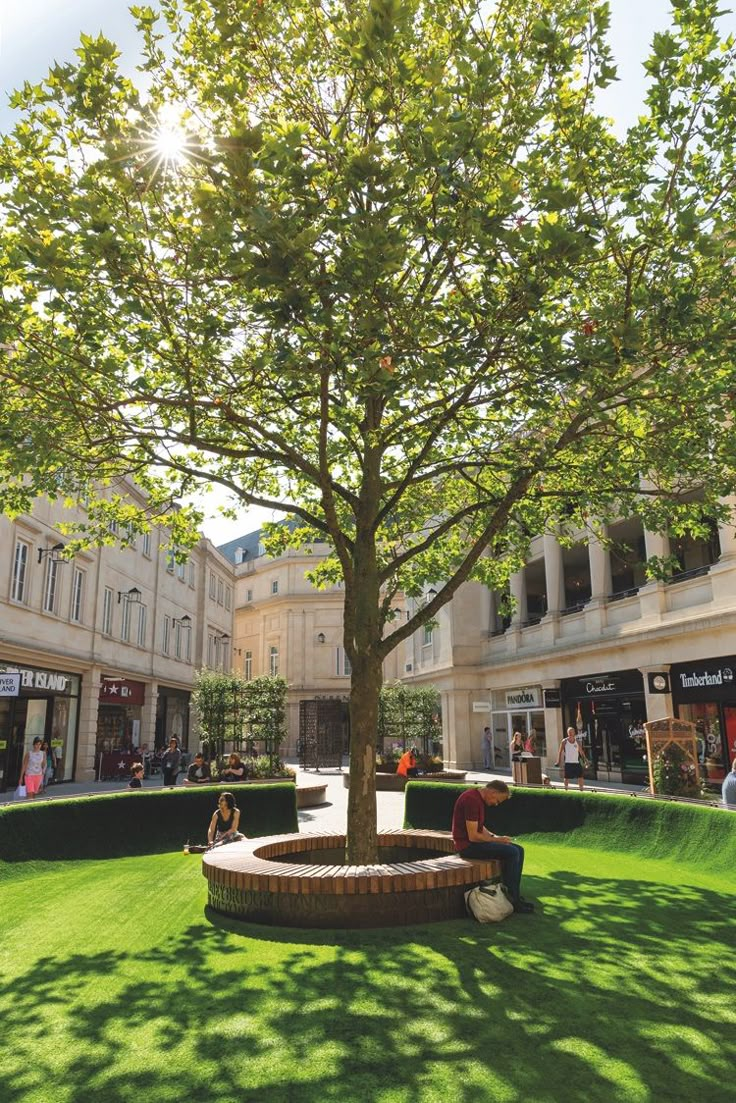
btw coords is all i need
(698, 836)
(148, 821)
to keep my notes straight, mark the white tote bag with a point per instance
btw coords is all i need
(489, 902)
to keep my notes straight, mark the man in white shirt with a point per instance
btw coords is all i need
(571, 757)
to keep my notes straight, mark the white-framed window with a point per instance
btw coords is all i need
(211, 651)
(343, 667)
(114, 527)
(170, 564)
(75, 612)
(248, 595)
(213, 585)
(427, 635)
(223, 662)
(261, 549)
(142, 622)
(192, 575)
(228, 598)
(248, 666)
(19, 587)
(107, 611)
(147, 544)
(51, 585)
(167, 634)
(220, 591)
(177, 640)
(275, 586)
(188, 644)
(125, 622)
(273, 661)
(181, 572)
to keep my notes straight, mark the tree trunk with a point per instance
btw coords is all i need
(365, 690)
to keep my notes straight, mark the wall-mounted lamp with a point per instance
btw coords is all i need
(53, 553)
(133, 595)
(183, 622)
(431, 593)
(321, 637)
(223, 637)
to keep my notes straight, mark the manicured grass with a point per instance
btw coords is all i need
(115, 987)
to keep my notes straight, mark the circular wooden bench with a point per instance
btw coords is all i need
(308, 796)
(282, 881)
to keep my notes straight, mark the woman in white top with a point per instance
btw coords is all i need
(34, 764)
(574, 760)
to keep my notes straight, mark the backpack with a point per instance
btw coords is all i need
(489, 901)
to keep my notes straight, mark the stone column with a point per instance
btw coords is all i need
(148, 718)
(457, 723)
(554, 728)
(554, 575)
(658, 705)
(723, 573)
(89, 703)
(600, 587)
(653, 595)
(517, 587)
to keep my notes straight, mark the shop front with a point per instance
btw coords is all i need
(704, 692)
(37, 702)
(118, 726)
(172, 716)
(608, 713)
(518, 709)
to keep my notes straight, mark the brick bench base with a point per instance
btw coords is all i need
(264, 881)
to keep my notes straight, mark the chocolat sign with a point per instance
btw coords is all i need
(604, 685)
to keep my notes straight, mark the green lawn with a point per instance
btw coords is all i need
(114, 986)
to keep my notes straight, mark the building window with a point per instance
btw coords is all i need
(147, 544)
(49, 590)
(167, 634)
(273, 661)
(248, 666)
(228, 598)
(142, 618)
(188, 644)
(107, 612)
(114, 527)
(275, 586)
(170, 562)
(248, 595)
(177, 640)
(77, 593)
(191, 573)
(213, 585)
(125, 622)
(220, 591)
(344, 669)
(427, 635)
(211, 652)
(19, 588)
(181, 571)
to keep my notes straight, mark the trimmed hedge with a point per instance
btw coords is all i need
(144, 822)
(695, 835)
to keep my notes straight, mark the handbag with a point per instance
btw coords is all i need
(489, 901)
(21, 793)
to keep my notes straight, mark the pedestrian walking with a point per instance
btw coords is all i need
(170, 762)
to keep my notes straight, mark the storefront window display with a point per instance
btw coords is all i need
(518, 710)
(44, 703)
(608, 714)
(704, 691)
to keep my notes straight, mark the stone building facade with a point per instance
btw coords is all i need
(103, 646)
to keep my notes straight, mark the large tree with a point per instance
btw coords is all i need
(380, 264)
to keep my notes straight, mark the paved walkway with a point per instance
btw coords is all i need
(331, 816)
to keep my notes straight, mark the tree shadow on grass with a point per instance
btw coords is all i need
(615, 992)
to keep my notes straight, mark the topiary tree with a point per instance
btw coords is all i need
(410, 716)
(265, 713)
(219, 698)
(382, 265)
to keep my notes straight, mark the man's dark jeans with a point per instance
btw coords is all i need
(511, 857)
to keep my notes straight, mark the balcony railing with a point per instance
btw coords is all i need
(685, 576)
(619, 595)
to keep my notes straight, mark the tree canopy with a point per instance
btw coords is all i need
(382, 265)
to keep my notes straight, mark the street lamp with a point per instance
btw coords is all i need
(133, 596)
(54, 553)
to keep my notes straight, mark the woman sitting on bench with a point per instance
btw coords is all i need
(224, 823)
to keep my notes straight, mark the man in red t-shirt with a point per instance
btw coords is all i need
(473, 839)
